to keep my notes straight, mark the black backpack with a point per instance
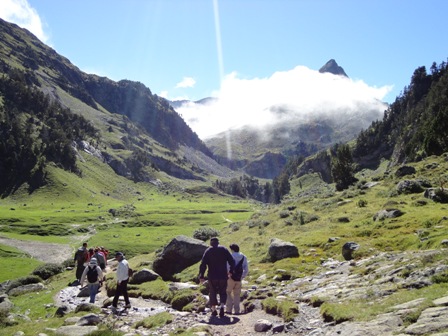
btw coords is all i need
(92, 274)
(238, 271)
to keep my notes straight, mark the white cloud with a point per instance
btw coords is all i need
(21, 13)
(289, 95)
(187, 82)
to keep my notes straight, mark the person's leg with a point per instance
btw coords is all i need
(222, 287)
(213, 287)
(117, 295)
(93, 290)
(229, 302)
(237, 296)
(125, 293)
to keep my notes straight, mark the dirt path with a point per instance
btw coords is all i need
(46, 252)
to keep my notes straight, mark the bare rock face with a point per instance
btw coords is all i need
(280, 249)
(180, 253)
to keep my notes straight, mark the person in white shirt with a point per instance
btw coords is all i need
(122, 280)
(234, 283)
(94, 277)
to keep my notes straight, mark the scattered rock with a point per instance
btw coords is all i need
(36, 287)
(280, 249)
(61, 311)
(180, 253)
(89, 320)
(84, 292)
(262, 325)
(387, 213)
(437, 195)
(441, 302)
(75, 330)
(5, 303)
(278, 328)
(348, 249)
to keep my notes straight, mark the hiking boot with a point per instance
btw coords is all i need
(214, 313)
(221, 312)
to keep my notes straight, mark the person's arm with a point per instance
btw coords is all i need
(230, 261)
(83, 276)
(203, 266)
(245, 268)
(100, 274)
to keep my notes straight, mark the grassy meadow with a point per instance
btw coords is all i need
(140, 218)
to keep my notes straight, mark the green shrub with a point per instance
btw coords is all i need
(46, 271)
(286, 308)
(205, 233)
(182, 298)
(154, 321)
(284, 214)
(362, 203)
(30, 279)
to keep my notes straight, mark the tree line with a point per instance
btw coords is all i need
(33, 131)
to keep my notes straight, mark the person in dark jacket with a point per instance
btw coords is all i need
(216, 258)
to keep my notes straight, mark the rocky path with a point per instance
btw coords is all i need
(46, 252)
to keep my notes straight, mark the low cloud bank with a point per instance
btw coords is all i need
(295, 95)
(21, 13)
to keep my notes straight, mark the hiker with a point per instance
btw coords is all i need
(94, 277)
(216, 258)
(122, 281)
(235, 280)
(101, 258)
(81, 259)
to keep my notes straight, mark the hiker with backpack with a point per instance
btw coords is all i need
(234, 283)
(216, 258)
(101, 258)
(94, 277)
(81, 258)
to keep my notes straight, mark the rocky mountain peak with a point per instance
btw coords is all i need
(332, 67)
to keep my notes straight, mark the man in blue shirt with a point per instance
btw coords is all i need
(216, 258)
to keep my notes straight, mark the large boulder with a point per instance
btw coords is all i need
(280, 249)
(412, 186)
(180, 253)
(145, 275)
(348, 249)
(405, 170)
(437, 195)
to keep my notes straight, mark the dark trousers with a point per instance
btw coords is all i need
(79, 270)
(122, 289)
(217, 287)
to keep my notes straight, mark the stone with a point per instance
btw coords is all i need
(348, 249)
(441, 301)
(71, 320)
(36, 287)
(409, 187)
(405, 170)
(75, 330)
(84, 292)
(408, 305)
(5, 303)
(437, 195)
(279, 249)
(278, 328)
(431, 320)
(87, 307)
(387, 213)
(89, 320)
(61, 311)
(144, 275)
(262, 325)
(180, 253)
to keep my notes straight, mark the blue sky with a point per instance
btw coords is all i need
(189, 49)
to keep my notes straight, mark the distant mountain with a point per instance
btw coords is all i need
(136, 132)
(264, 152)
(332, 67)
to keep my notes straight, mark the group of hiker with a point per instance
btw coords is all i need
(91, 266)
(225, 272)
